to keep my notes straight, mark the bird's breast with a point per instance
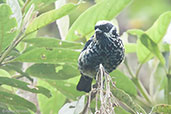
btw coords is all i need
(108, 53)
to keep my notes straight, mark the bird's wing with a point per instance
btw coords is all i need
(88, 43)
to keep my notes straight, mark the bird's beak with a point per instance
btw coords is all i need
(97, 31)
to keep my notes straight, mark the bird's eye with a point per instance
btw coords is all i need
(96, 27)
(114, 32)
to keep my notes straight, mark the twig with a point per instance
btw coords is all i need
(6, 52)
(102, 91)
(90, 97)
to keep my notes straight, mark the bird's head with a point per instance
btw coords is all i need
(105, 28)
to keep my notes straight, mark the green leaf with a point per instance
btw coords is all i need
(66, 88)
(164, 47)
(40, 4)
(54, 103)
(4, 73)
(152, 47)
(104, 10)
(53, 56)
(7, 27)
(124, 83)
(18, 69)
(120, 110)
(12, 99)
(161, 109)
(159, 28)
(16, 10)
(142, 52)
(130, 47)
(136, 32)
(126, 99)
(156, 33)
(53, 43)
(49, 17)
(54, 72)
(19, 110)
(25, 86)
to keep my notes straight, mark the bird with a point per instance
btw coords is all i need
(104, 47)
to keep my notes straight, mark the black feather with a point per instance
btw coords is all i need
(84, 84)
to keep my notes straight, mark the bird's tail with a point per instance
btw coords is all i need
(84, 84)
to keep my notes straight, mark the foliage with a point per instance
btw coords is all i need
(54, 61)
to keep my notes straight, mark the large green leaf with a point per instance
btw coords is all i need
(12, 99)
(142, 52)
(54, 103)
(104, 10)
(49, 17)
(53, 43)
(126, 99)
(130, 47)
(159, 28)
(53, 56)
(161, 109)
(7, 27)
(156, 33)
(124, 83)
(52, 71)
(152, 47)
(66, 88)
(25, 86)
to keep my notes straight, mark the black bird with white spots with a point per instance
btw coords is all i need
(104, 47)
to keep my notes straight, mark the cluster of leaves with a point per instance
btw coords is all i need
(54, 61)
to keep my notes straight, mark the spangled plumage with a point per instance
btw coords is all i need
(104, 47)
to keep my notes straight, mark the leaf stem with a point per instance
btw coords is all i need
(25, 5)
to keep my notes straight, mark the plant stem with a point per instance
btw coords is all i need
(137, 82)
(26, 3)
(138, 70)
(6, 52)
(142, 89)
(169, 89)
(139, 67)
(12, 46)
(128, 68)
